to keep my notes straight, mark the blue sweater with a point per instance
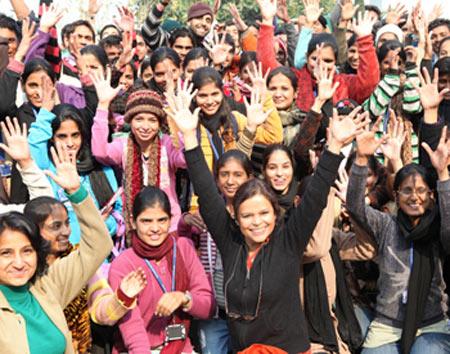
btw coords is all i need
(39, 135)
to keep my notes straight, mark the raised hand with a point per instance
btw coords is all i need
(326, 88)
(93, 7)
(66, 169)
(238, 21)
(395, 14)
(105, 92)
(268, 10)
(430, 97)
(48, 93)
(217, 49)
(51, 15)
(392, 146)
(348, 10)
(440, 158)
(282, 11)
(127, 54)
(216, 6)
(133, 283)
(258, 80)
(342, 185)
(178, 108)
(28, 36)
(126, 21)
(16, 142)
(255, 110)
(436, 12)
(367, 142)
(363, 26)
(312, 11)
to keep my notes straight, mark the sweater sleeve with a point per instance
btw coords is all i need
(443, 189)
(37, 47)
(364, 82)
(69, 274)
(152, 32)
(411, 98)
(303, 219)
(39, 135)
(302, 47)
(379, 100)
(71, 95)
(292, 38)
(340, 34)
(212, 205)
(370, 219)
(106, 153)
(264, 49)
(36, 181)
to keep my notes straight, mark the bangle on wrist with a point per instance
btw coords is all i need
(188, 298)
(124, 299)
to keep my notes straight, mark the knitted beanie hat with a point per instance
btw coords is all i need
(144, 101)
(199, 9)
(390, 28)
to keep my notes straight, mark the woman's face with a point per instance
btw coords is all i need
(192, 66)
(353, 57)
(165, 70)
(387, 62)
(444, 82)
(246, 71)
(283, 92)
(70, 136)
(144, 127)
(18, 258)
(92, 64)
(279, 171)
(152, 225)
(147, 74)
(326, 56)
(445, 49)
(230, 177)
(209, 98)
(256, 218)
(56, 230)
(141, 47)
(33, 87)
(414, 196)
(127, 78)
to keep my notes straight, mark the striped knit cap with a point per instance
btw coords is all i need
(144, 101)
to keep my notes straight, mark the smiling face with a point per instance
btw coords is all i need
(152, 225)
(18, 258)
(230, 177)
(144, 127)
(209, 98)
(182, 46)
(353, 57)
(69, 135)
(414, 196)
(201, 25)
(256, 218)
(56, 230)
(127, 78)
(437, 35)
(327, 57)
(161, 70)
(283, 92)
(279, 171)
(33, 87)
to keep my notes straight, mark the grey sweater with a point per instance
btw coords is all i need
(394, 254)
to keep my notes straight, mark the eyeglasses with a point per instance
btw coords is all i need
(408, 192)
(238, 316)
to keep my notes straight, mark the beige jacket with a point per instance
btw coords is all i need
(64, 280)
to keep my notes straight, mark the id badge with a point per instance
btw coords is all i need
(175, 332)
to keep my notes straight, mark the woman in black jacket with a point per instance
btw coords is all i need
(261, 254)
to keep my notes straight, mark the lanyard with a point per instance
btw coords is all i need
(156, 275)
(213, 147)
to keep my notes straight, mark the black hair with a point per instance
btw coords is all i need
(194, 54)
(111, 41)
(18, 222)
(85, 23)
(97, 52)
(327, 39)
(246, 58)
(352, 40)
(162, 54)
(65, 112)
(443, 65)
(66, 31)
(409, 170)
(270, 149)
(35, 65)
(182, 32)
(387, 46)
(438, 23)
(446, 39)
(236, 155)
(105, 27)
(145, 64)
(373, 8)
(11, 24)
(149, 197)
(40, 208)
(286, 71)
(228, 40)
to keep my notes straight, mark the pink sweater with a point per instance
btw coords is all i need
(142, 330)
(114, 154)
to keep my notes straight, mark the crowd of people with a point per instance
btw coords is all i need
(277, 186)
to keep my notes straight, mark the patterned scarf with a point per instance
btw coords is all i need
(291, 119)
(134, 175)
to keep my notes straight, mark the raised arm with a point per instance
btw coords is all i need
(154, 36)
(265, 46)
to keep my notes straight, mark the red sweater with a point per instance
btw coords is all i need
(358, 87)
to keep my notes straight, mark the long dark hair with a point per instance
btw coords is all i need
(40, 208)
(35, 65)
(150, 197)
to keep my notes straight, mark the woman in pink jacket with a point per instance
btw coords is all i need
(177, 285)
(147, 157)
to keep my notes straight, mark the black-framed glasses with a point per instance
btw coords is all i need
(237, 316)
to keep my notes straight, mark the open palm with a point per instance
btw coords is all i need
(178, 108)
(367, 142)
(440, 157)
(66, 169)
(16, 140)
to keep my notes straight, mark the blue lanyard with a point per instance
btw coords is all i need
(174, 264)
(213, 147)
